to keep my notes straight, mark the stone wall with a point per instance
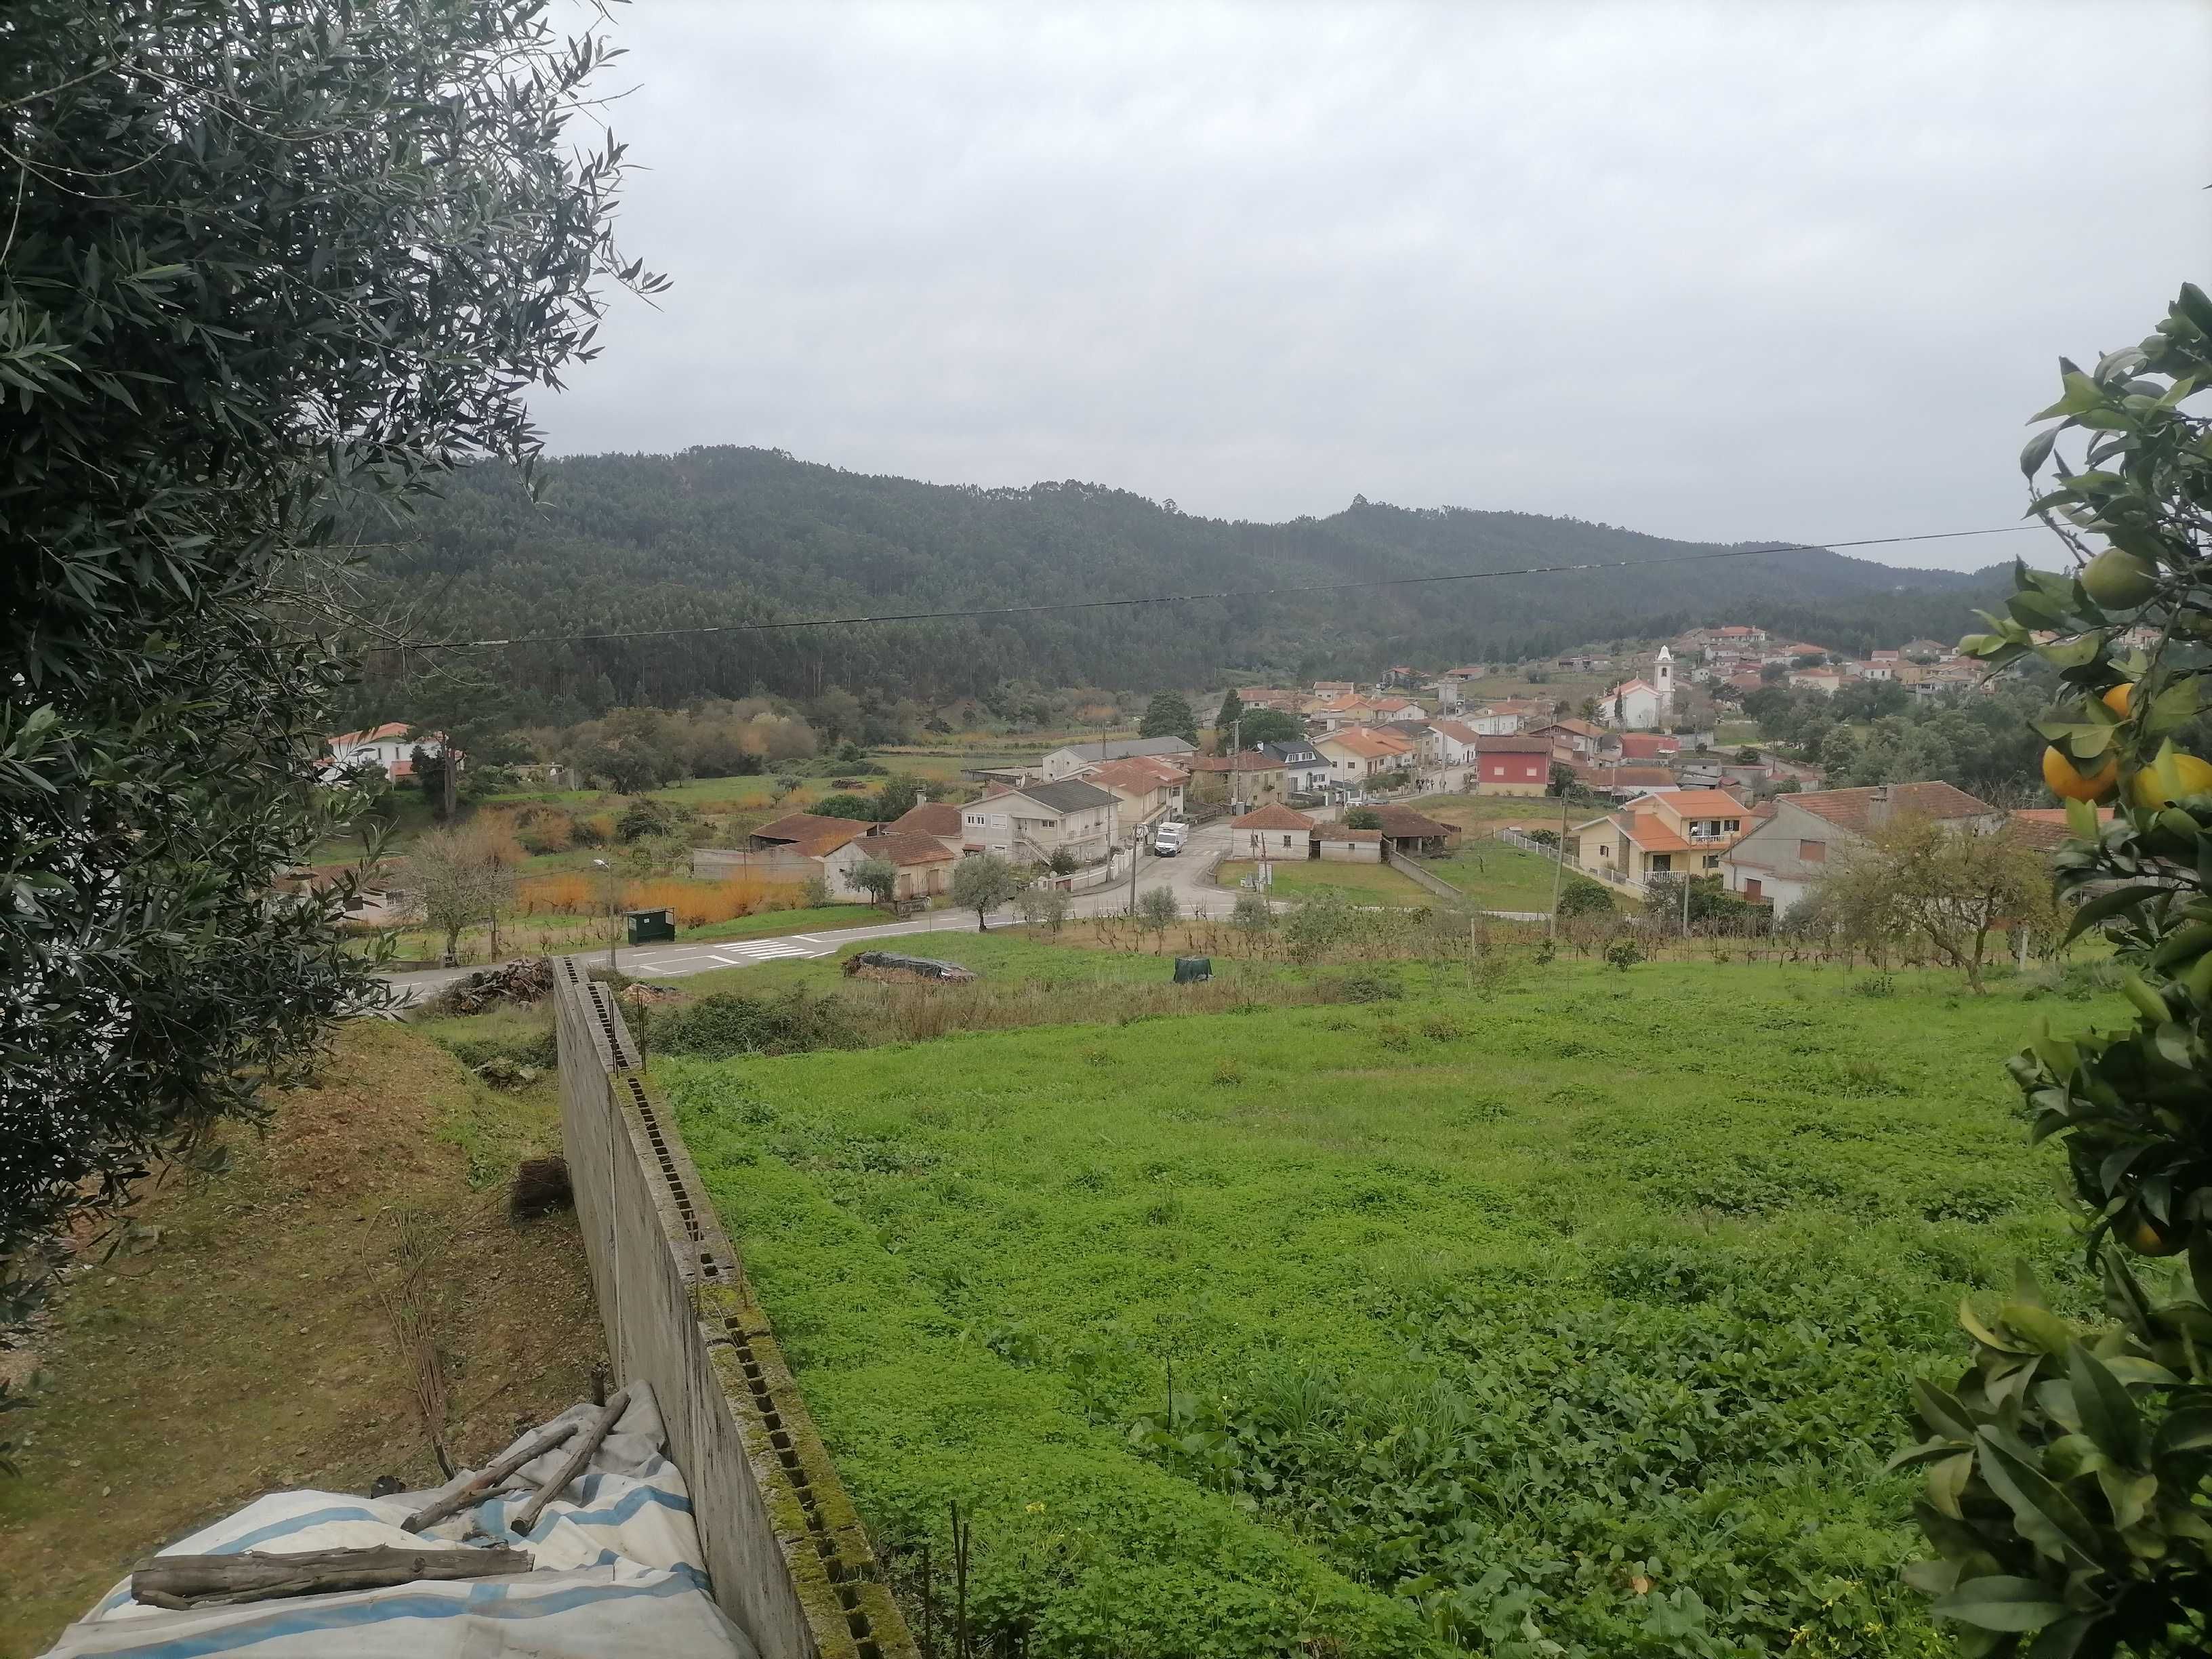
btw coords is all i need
(790, 1561)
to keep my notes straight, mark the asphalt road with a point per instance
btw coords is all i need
(1184, 875)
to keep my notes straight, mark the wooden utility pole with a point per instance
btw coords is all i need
(1558, 866)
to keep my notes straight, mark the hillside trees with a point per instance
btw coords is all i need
(720, 538)
(264, 257)
(2070, 1469)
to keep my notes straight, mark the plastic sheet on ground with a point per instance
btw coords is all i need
(617, 1570)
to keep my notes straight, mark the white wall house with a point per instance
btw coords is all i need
(387, 745)
(1029, 824)
(1641, 705)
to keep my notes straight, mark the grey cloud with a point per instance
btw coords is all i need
(1723, 272)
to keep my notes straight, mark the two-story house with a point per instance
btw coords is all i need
(1148, 788)
(1358, 754)
(1029, 824)
(1305, 769)
(1784, 857)
(1683, 830)
(1513, 765)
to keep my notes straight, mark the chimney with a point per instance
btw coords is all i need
(1878, 808)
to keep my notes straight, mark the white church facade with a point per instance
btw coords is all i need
(1643, 705)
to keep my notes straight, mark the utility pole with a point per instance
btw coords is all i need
(1559, 865)
(614, 920)
(448, 759)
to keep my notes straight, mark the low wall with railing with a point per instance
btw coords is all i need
(788, 1557)
(1411, 870)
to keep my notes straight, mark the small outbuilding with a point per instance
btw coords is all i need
(1344, 846)
(1274, 832)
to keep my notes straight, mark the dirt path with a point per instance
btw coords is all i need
(241, 1343)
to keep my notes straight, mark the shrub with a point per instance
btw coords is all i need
(586, 832)
(1251, 913)
(1366, 987)
(719, 1026)
(641, 820)
(1623, 954)
(846, 806)
(814, 889)
(1582, 896)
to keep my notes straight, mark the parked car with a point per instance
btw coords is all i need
(1167, 839)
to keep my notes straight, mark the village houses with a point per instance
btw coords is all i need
(1069, 761)
(1147, 787)
(1785, 855)
(923, 864)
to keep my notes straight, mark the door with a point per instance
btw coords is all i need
(1751, 888)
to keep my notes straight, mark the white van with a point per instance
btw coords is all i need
(1168, 838)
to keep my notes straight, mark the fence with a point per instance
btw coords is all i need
(1604, 873)
(789, 1560)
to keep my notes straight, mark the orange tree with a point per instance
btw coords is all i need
(2068, 1468)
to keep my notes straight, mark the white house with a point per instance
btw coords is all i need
(1030, 824)
(387, 745)
(1643, 705)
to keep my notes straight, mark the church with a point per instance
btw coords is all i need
(1642, 705)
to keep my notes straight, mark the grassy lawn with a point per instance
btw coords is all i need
(1578, 1308)
(1363, 883)
(1734, 734)
(1498, 876)
(1479, 815)
(238, 1343)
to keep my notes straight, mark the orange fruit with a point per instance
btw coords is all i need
(2119, 697)
(2146, 1238)
(2068, 784)
(2149, 790)
(2119, 581)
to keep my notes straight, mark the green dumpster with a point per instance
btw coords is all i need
(646, 925)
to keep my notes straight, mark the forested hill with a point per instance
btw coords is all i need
(727, 535)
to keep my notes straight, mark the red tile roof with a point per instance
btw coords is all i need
(900, 846)
(810, 833)
(1848, 808)
(1272, 816)
(1527, 743)
(1404, 823)
(931, 817)
(1338, 832)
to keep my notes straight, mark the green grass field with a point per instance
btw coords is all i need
(1568, 1317)
(1363, 883)
(1497, 876)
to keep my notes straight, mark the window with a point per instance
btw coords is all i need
(1712, 860)
(1812, 851)
(1286, 840)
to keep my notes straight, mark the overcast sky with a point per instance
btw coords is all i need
(1740, 271)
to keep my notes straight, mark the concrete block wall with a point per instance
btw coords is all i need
(790, 1560)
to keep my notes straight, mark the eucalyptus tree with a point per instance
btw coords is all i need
(261, 261)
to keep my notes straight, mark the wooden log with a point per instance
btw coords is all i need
(573, 1464)
(182, 1582)
(463, 1497)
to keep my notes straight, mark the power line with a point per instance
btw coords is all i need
(1190, 599)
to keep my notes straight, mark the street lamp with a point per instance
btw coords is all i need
(614, 924)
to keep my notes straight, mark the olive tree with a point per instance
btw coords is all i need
(266, 261)
(876, 877)
(1156, 909)
(982, 883)
(2069, 1465)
